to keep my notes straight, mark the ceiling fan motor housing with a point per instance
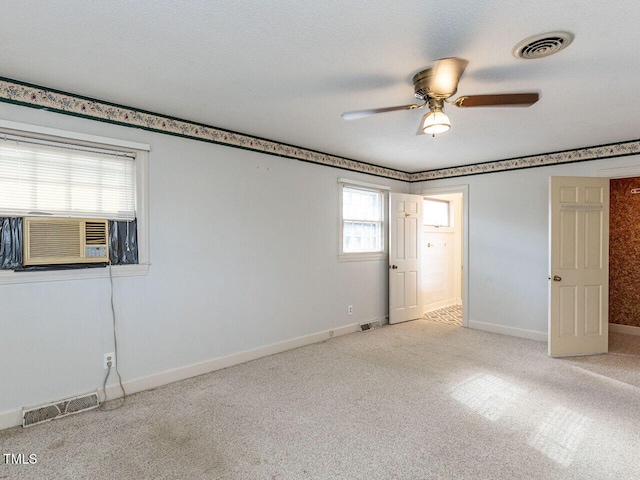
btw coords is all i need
(421, 82)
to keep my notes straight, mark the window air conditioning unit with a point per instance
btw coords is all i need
(57, 241)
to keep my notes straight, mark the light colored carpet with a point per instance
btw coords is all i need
(451, 315)
(419, 400)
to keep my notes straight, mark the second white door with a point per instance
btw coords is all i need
(579, 271)
(405, 241)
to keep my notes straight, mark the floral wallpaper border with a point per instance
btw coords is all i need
(12, 91)
(579, 155)
(20, 93)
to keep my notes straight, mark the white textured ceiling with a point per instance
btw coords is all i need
(285, 70)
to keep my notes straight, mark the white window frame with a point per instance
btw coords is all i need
(363, 256)
(141, 152)
(449, 214)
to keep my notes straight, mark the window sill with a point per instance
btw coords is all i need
(362, 257)
(9, 277)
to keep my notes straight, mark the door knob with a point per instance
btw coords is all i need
(393, 266)
(556, 278)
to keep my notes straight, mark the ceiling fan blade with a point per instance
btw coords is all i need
(500, 100)
(372, 111)
(446, 75)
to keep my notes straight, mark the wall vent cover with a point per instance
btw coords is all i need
(44, 413)
(542, 45)
(368, 326)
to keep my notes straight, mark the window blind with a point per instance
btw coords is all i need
(42, 177)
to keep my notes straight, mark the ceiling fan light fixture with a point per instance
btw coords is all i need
(435, 122)
(436, 84)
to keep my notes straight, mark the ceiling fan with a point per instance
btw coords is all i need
(435, 85)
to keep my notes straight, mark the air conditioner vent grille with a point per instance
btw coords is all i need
(96, 233)
(54, 239)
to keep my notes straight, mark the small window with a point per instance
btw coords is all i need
(436, 213)
(363, 220)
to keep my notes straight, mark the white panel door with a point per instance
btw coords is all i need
(405, 240)
(579, 271)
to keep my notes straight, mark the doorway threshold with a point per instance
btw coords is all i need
(451, 315)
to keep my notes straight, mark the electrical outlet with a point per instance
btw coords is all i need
(109, 357)
(350, 309)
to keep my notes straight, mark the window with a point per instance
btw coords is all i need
(436, 213)
(44, 173)
(363, 226)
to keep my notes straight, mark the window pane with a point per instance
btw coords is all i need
(362, 236)
(362, 220)
(361, 204)
(436, 212)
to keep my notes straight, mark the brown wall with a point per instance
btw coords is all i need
(624, 253)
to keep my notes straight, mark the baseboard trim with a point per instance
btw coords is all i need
(511, 331)
(10, 418)
(626, 329)
(13, 418)
(175, 375)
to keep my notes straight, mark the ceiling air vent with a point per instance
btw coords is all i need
(542, 45)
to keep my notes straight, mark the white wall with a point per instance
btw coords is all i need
(508, 244)
(257, 266)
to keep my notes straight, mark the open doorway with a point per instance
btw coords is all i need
(444, 255)
(442, 258)
(624, 268)
(624, 256)
(608, 263)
